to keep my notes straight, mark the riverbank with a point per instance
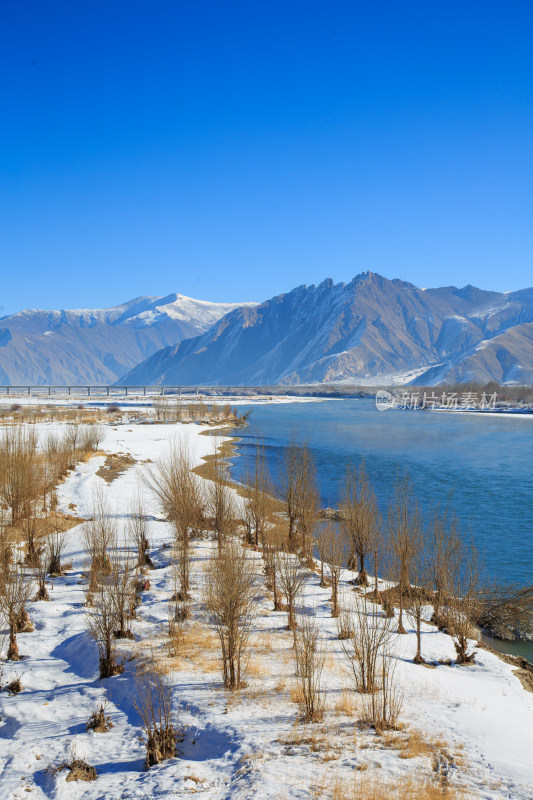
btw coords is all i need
(465, 731)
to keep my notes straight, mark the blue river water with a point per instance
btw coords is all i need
(482, 465)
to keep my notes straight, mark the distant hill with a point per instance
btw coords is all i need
(371, 330)
(97, 345)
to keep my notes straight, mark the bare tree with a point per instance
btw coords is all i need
(16, 591)
(418, 596)
(154, 705)
(55, 546)
(20, 478)
(359, 519)
(307, 498)
(259, 505)
(274, 541)
(444, 546)
(178, 491)
(40, 573)
(188, 517)
(310, 657)
(121, 582)
(100, 536)
(505, 608)
(221, 503)
(463, 602)
(334, 556)
(138, 530)
(229, 595)
(370, 635)
(29, 532)
(382, 707)
(102, 622)
(402, 520)
(288, 486)
(291, 578)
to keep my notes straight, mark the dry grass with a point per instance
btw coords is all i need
(115, 464)
(413, 743)
(296, 694)
(372, 787)
(200, 647)
(53, 522)
(257, 668)
(347, 703)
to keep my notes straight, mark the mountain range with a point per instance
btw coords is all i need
(371, 330)
(97, 345)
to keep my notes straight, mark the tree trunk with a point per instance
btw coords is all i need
(13, 650)
(401, 629)
(363, 577)
(418, 658)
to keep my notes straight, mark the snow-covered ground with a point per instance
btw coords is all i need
(477, 720)
(138, 399)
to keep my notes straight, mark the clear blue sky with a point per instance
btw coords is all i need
(233, 150)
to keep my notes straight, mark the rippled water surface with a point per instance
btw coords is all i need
(482, 464)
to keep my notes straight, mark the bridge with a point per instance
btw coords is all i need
(113, 390)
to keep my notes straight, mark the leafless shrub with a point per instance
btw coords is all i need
(20, 476)
(154, 705)
(221, 504)
(288, 486)
(310, 657)
(259, 504)
(100, 535)
(463, 603)
(72, 437)
(370, 636)
(121, 582)
(418, 596)
(334, 556)
(40, 573)
(180, 497)
(177, 614)
(55, 547)
(273, 542)
(344, 620)
(307, 498)
(444, 547)
(403, 519)
(505, 609)
(99, 722)
(228, 595)
(29, 532)
(102, 622)
(14, 686)
(383, 706)
(291, 579)
(138, 530)
(16, 592)
(360, 520)
(90, 437)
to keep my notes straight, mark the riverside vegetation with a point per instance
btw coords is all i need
(259, 546)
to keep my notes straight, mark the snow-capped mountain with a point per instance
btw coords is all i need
(97, 345)
(371, 329)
